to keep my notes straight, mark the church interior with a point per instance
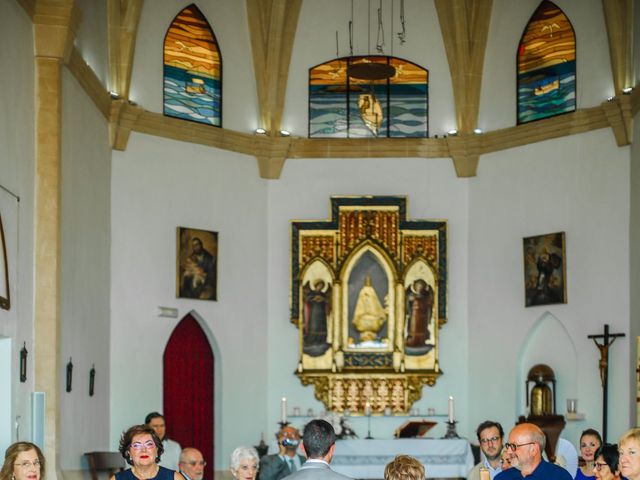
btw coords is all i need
(102, 170)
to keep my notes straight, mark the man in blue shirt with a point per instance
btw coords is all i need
(524, 450)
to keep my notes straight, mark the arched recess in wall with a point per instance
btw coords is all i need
(548, 342)
(188, 389)
(192, 69)
(342, 106)
(546, 64)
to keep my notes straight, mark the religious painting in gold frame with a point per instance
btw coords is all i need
(545, 271)
(369, 294)
(197, 261)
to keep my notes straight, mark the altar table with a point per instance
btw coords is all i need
(367, 458)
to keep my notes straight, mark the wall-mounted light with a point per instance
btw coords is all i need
(478, 131)
(114, 95)
(260, 131)
(69, 375)
(285, 133)
(92, 380)
(453, 132)
(23, 363)
(610, 99)
(627, 90)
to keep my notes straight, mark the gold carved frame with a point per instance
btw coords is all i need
(369, 295)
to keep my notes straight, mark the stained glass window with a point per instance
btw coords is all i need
(546, 65)
(343, 104)
(192, 69)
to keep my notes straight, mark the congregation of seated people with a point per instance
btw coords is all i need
(521, 456)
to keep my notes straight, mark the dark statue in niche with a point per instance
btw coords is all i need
(419, 309)
(317, 307)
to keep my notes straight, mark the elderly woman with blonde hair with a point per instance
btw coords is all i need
(404, 467)
(629, 454)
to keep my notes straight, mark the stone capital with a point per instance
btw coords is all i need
(55, 24)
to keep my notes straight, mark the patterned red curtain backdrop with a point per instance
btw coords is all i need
(188, 389)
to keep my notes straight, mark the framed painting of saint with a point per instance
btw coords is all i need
(545, 276)
(197, 260)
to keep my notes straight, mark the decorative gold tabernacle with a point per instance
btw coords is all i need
(369, 296)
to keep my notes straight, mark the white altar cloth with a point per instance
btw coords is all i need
(367, 458)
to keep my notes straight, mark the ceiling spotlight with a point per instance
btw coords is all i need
(285, 133)
(260, 131)
(627, 90)
(114, 95)
(453, 132)
(610, 99)
(477, 131)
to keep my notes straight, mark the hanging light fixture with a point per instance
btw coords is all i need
(365, 69)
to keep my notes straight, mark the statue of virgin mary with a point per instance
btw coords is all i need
(369, 315)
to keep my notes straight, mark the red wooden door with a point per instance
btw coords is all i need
(188, 389)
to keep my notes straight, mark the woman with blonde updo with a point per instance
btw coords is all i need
(404, 467)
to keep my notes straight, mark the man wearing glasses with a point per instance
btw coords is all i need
(524, 450)
(490, 436)
(192, 464)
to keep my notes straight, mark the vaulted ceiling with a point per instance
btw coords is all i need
(272, 24)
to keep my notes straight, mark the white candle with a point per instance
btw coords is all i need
(283, 410)
(451, 416)
(367, 409)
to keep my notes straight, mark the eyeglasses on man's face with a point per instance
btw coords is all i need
(193, 463)
(515, 446)
(26, 465)
(486, 441)
(149, 444)
(598, 465)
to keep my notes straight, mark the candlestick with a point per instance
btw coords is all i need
(451, 415)
(283, 410)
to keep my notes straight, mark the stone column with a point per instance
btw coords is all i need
(54, 26)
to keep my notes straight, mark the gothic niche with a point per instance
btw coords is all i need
(368, 296)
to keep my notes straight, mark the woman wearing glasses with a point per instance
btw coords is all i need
(141, 448)
(629, 454)
(606, 464)
(590, 441)
(22, 461)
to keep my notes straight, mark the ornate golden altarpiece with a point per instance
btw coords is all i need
(369, 294)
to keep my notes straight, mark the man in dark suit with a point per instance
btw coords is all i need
(286, 461)
(318, 444)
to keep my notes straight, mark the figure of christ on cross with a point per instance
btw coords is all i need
(603, 364)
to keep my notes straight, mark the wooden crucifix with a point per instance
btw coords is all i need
(607, 341)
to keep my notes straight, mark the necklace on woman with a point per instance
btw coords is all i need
(143, 477)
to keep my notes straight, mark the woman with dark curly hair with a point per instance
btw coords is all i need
(142, 449)
(23, 461)
(606, 464)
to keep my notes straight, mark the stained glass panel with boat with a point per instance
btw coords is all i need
(192, 69)
(546, 65)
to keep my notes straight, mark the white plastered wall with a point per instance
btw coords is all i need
(578, 185)
(157, 186)
(85, 276)
(16, 175)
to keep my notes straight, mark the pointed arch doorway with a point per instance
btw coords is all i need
(188, 383)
